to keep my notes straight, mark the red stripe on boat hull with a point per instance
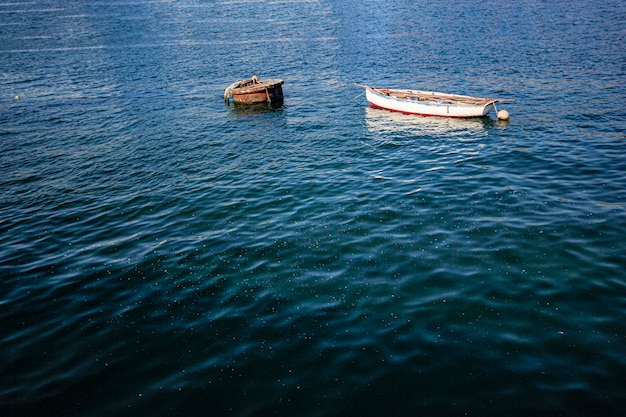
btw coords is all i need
(375, 106)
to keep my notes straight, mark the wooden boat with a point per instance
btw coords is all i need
(431, 103)
(254, 91)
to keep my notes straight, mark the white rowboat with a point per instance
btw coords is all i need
(429, 103)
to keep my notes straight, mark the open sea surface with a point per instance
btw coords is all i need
(167, 254)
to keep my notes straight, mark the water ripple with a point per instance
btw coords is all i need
(165, 253)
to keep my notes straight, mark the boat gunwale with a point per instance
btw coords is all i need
(432, 98)
(259, 87)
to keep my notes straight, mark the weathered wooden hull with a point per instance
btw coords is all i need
(268, 91)
(429, 103)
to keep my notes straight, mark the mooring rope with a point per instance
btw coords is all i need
(231, 87)
(355, 97)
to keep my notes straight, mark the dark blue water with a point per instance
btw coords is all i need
(165, 254)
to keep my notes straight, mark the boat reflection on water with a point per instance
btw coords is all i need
(253, 109)
(380, 121)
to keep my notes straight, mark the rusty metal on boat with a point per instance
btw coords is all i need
(255, 91)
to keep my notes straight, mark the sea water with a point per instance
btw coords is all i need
(165, 253)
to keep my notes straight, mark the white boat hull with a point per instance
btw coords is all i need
(430, 103)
